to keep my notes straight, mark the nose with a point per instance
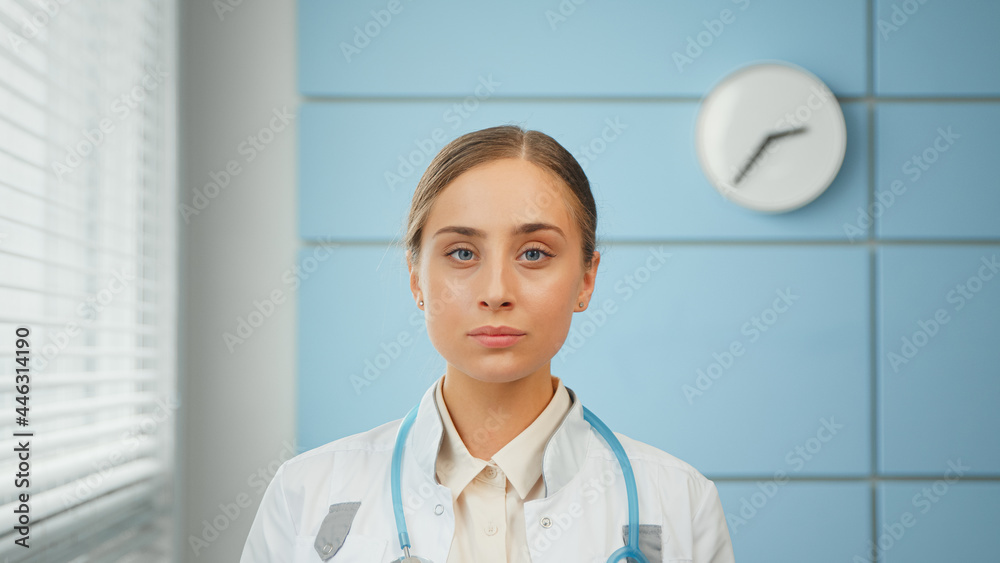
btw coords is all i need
(497, 285)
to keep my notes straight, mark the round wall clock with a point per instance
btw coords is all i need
(770, 136)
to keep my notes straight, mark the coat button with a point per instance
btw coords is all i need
(439, 510)
(546, 522)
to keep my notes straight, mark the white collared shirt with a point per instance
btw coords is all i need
(489, 495)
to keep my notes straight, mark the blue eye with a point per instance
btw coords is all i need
(466, 253)
(536, 254)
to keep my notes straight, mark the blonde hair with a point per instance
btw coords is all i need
(495, 143)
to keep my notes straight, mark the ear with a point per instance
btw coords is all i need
(414, 280)
(589, 279)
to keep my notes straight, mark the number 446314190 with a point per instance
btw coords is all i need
(21, 378)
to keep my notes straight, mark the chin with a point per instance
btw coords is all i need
(492, 375)
(492, 370)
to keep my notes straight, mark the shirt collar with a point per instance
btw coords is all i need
(455, 466)
(520, 459)
(562, 458)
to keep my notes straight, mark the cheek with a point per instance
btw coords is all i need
(557, 293)
(445, 299)
(441, 321)
(551, 308)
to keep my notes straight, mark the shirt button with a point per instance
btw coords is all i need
(328, 548)
(438, 510)
(491, 472)
(546, 522)
(492, 529)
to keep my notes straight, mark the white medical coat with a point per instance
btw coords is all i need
(580, 519)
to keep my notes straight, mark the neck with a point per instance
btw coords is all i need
(488, 415)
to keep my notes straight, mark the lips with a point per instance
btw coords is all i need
(496, 336)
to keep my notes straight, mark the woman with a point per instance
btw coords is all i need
(499, 461)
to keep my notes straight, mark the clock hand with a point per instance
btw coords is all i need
(763, 145)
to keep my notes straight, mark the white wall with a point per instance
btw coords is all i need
(238, 408)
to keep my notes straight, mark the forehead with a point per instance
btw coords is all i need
(502, 193)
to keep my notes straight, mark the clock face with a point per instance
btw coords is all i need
(770, 137)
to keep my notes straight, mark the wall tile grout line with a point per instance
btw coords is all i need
(870, 105)
(873, 344)
(391, 99)
(870, 47)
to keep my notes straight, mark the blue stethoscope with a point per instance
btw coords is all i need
(629, 550)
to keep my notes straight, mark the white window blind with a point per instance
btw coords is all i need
(87, 267)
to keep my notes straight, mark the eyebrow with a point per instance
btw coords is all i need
(523, 229)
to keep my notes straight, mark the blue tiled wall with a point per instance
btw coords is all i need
(873, 384)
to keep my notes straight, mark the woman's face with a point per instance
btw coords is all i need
(500, 249)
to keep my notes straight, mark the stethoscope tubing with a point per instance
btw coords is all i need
(397, 488)
(630, 549)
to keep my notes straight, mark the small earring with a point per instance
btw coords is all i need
(581, 303)
(421, 303)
